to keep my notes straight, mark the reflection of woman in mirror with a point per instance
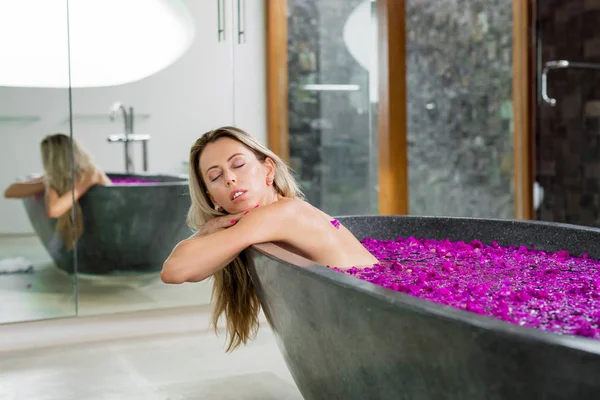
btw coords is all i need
(243, 194)
(56, 181)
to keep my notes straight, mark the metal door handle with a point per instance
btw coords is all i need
(221, 19)
(241, 17)
(561, 64)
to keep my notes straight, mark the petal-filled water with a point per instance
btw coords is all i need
(551, 291)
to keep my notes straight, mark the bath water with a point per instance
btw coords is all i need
(551, 291)
(132, 181)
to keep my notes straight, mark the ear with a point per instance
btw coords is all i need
(270, 169)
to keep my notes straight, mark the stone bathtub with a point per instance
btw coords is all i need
(344, 338)
(128, 227)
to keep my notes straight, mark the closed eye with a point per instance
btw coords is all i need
(215, 178)
(239, 166)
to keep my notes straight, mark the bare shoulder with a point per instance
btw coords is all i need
(274, 222)
(299, 216)
(284, 211)
(297, 212)
(290, 206)
(106, 181)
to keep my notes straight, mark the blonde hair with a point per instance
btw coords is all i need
(233, 290)
(56, 160)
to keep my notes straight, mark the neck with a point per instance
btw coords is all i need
(271, 197)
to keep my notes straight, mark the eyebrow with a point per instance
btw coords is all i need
(229, 159)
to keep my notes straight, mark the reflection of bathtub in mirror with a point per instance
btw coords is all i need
(129, 227)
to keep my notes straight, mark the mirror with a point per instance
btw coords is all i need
(154, 82)
(131, 92)
(36, 233)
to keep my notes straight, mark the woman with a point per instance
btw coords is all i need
(243, 194)
(56, 182)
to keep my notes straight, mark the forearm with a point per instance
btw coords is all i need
(61, 204)
(24, 189)
(200, 256)
(197, 258)
(223, 265)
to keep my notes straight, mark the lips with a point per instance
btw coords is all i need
(236, 194)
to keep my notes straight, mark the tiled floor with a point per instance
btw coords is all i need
(123, 359)
(107, 352)
(48, 292)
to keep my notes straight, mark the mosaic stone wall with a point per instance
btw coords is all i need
(459, 91)
(568, 135)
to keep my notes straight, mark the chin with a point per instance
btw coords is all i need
(245, 207)
(237, 208)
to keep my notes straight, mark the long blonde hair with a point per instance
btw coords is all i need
(233, 291)
(56, 160)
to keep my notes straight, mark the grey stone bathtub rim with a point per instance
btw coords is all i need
(427, 307)
(501, 220)
(141, 184)
(184, 182)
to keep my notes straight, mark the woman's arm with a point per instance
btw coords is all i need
(197, 258)
(29, 187)
(58, 205)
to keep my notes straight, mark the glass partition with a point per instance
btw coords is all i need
(143, 92)
(36, 233)
(332, 79)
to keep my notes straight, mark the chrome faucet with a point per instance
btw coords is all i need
(129, 136)
(128, 121)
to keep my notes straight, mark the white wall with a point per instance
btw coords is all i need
(183, 101)
(19, 148)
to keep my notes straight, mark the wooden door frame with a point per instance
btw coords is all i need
(391, 123)
(277, 78)
(392, 128)
(524, 105)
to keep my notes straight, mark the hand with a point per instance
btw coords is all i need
(220, 223)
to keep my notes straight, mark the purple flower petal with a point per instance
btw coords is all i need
(551, 291)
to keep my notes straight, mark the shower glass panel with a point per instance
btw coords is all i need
(332, 102)
(36, 246)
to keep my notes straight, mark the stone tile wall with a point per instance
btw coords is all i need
(567, 137)
(459, 90)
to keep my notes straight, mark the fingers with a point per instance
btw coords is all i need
(231, 219)
(246, 212)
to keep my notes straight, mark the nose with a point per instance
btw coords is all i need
(229, 177)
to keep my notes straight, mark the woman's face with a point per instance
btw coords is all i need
(236, 180)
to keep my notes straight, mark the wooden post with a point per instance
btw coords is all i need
(392, 131)
(277, 78)
(523, 107)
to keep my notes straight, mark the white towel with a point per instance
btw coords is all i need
(16, 265)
